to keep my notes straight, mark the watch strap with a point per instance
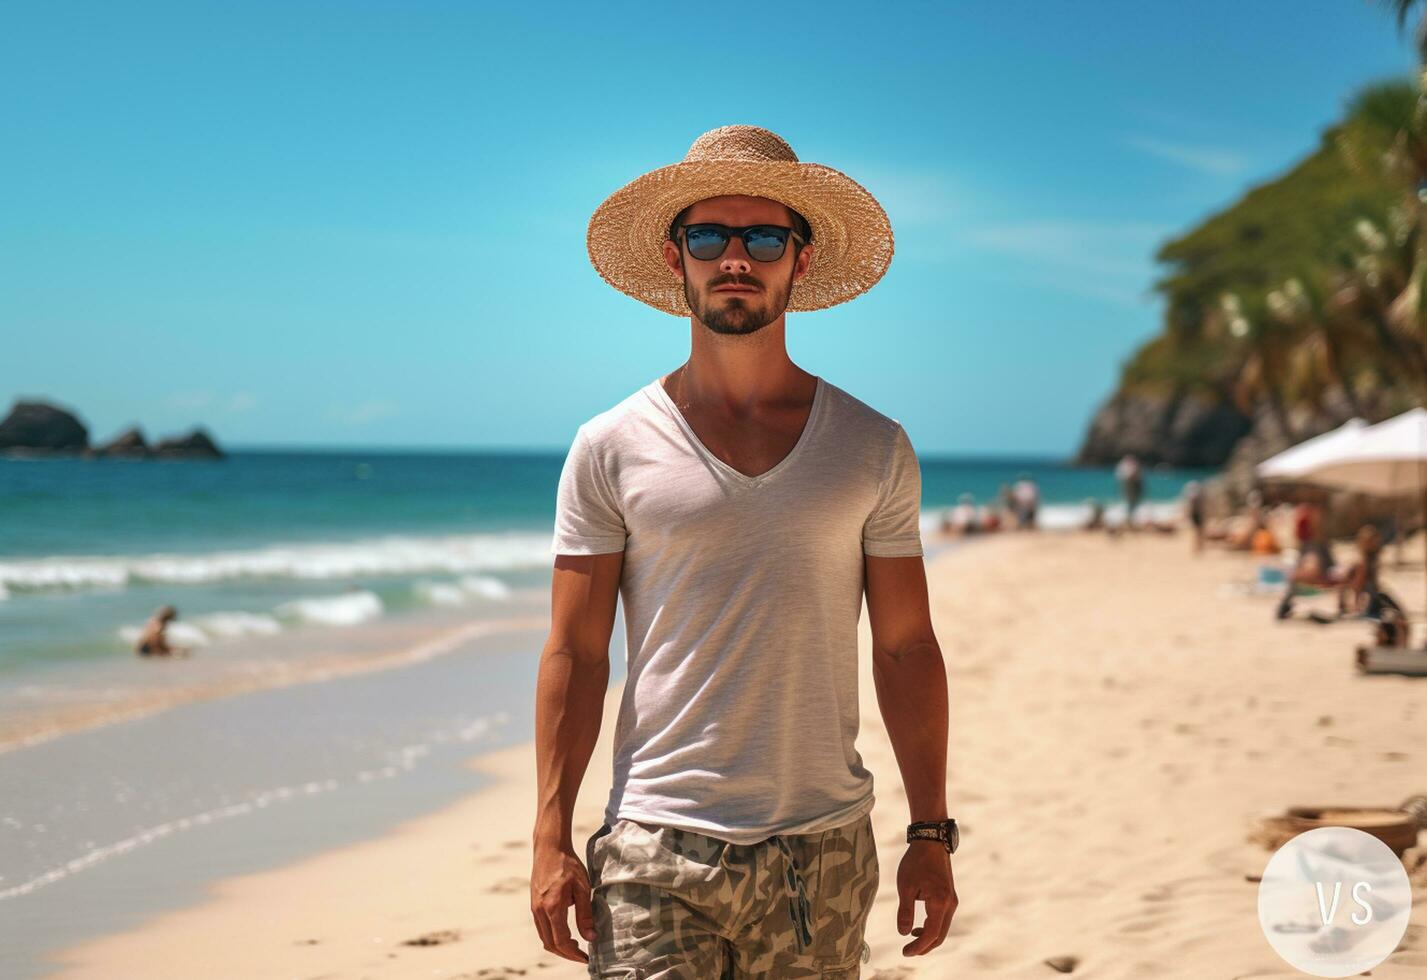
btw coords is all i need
(939, 830)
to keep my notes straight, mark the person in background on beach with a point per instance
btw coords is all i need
(964, 519)
(1315, 568)
(153, 638)
(1360, 585)
(992, 521)
(1132, 484)
(1026, 498)
(739, 506)
(1263, 543)
(1096, 520)
(1242, 530)
(1194, 510)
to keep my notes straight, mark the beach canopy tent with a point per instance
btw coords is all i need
(1291, 464)
(1387, 460)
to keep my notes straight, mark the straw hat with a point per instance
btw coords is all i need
(851, 233)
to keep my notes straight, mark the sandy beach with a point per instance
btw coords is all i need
(1120, 716)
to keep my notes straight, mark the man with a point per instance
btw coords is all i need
(1194, 508)
(740, 506)
(1132, 483)
(1027, 497)
(153, 638)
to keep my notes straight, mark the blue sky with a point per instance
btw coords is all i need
(363, 223)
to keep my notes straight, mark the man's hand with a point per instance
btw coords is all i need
(557, 881)
(925, 875)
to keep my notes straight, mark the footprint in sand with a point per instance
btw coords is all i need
(508, 885)
(439, 938)
(1396, 756)
(1142, 923)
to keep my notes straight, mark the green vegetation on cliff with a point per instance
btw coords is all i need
(1287, 292)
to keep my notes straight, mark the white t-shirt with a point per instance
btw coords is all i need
(741, 597)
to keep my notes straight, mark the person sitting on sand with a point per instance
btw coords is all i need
(1315, 569)
(1363, 595)
(153, 639)
(1263, 543)
(964, 516)
(1096, 520)
(1361, 592)
(1246, 527)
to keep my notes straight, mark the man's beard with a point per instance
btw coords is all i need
(742, 316)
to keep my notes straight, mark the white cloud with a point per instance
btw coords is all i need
(1112, 261)
(910, 196)
(188, 400)
(1204, 159)
(242, 401)
(362, 413)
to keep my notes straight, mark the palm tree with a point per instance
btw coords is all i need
(1264, 367)
(1403, 9)
(1318, 361)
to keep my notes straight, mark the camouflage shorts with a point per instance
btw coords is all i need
(673, 904)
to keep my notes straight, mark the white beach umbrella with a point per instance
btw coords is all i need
(1388, 460)
(1294, 461)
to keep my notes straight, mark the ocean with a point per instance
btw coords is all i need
(268, 554)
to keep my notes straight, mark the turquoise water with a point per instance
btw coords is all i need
(265, 542)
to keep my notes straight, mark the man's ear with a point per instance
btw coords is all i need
(673, 259)
(803, 262)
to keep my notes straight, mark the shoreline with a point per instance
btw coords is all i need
(433, 640)
(1181, 717)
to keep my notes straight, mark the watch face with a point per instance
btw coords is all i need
(955, 835)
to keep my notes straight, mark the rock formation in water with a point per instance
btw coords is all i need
(129, 444)
(197, 444)
(39, 428)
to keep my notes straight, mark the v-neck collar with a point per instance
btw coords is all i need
(804, 437)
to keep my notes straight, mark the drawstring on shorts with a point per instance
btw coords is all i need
(799, 909)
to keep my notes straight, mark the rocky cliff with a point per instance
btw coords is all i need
(1170, 429)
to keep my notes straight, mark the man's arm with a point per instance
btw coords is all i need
(910, 677)
(569, 702)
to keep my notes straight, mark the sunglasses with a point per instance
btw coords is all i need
(764, 243)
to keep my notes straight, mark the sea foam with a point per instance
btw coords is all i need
(347, 609)
(462, 590)
(393, 555)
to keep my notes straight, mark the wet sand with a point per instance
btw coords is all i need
(70, 698)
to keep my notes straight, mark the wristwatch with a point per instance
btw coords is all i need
(942, 830)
